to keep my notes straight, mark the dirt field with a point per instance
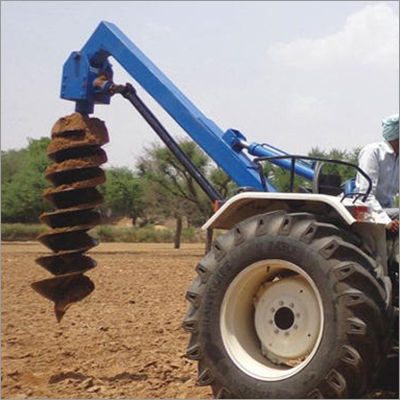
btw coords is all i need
(124, 341)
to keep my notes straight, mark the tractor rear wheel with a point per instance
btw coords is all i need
(285, 306)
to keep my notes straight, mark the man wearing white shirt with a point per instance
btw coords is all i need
(381, 163)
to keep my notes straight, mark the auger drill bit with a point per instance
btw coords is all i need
(75, 150)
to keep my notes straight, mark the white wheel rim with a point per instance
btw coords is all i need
(271, 328)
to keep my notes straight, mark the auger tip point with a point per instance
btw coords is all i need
(59, 315)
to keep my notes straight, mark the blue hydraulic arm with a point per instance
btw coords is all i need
(79, 83)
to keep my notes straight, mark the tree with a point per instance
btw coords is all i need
(350, 156)
(170, 191)
(280, 177)
(160, 188)
(23, 182)
(123, 194)
(12, 161)
(222, 182)
(21, 190)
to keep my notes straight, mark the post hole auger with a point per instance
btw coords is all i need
(76, 154)
(293, 301)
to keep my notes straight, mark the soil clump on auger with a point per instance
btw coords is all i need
(75, 150)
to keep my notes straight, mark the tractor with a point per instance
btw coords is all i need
(297, 299)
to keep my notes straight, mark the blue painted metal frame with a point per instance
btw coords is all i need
(83, 67)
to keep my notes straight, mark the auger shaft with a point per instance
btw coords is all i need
(75, 150)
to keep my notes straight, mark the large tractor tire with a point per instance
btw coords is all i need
(285, 306)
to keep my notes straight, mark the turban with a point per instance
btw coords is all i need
(390, 127)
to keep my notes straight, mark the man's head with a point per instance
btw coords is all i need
(390, 131)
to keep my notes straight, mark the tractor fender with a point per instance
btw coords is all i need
(247, 204)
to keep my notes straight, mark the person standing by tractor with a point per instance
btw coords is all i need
(381, 163)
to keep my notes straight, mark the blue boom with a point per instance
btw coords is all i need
(226, 148)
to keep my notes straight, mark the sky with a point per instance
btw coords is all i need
(296, 75)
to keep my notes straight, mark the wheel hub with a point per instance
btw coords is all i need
(286, 319)
(272, 319)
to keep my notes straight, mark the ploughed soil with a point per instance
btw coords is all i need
(123, 341)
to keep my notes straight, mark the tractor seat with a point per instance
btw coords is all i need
(330, 184)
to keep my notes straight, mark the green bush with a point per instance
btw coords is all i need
(147, 234)
(23, 232)
(106, 233)
(192, 235)
(23, 182)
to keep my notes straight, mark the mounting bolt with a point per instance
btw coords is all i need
(276, 331)
(291, 305)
